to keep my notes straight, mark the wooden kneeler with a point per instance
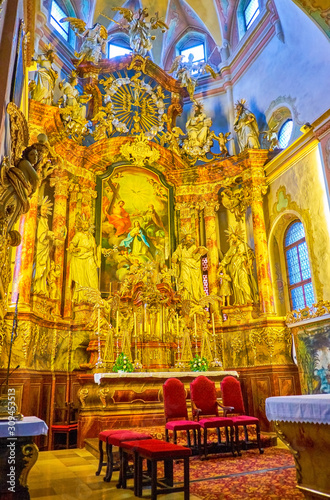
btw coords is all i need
(154, 450)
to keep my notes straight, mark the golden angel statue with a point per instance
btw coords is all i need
(223, 139)
(184, 72)
(94, 40)
(72, 108)
(139, 28)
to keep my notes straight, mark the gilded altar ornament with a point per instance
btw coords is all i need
(139, 28)
(139, 151)
(238, 264)
(246, 127)
(130, 104)
(84, 259)
(72, 109)
(94, 40)
(172, 139)
(184, 71)
(42, 88)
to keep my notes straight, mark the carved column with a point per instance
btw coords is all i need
(24, 266)
(71, 221)
(211, 244)
(60, 182)
(185, 220)
(259, 188)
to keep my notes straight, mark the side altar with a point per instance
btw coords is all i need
(119, 400)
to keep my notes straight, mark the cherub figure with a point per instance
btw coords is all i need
(184, 71)
(94, 40)
(139, 28)
(172, 138)
(225, 288)
(223, 140)
(271, 137)
(53, 275)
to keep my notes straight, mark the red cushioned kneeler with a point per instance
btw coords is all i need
(114, 437)
(153, 451)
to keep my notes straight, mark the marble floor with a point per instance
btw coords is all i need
(70, 475)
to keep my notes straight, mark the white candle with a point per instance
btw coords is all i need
(117, 322)
(213, 327)
(195, 321)
(135, 324)
(177, 323)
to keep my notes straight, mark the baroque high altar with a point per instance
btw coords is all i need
(136, 236)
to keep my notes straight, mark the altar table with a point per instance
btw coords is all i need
(18, 454)
(121, 400)
(303, 423)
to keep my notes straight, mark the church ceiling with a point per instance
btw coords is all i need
(214, 19)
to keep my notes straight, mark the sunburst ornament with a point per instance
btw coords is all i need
(45, 202)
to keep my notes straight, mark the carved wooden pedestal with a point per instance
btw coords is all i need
(17, 457)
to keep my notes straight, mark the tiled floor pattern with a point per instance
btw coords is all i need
(70, 475)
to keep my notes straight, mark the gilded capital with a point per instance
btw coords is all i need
(211, 208)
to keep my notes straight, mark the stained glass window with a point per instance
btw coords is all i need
(298, 268)
(251, 11)
(56, 14)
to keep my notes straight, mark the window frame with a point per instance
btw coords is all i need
(299, 283)
(188, 47)
(51, 17)
(254, 15)
(124, 46)
(280, 130)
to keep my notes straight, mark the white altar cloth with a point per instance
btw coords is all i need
(311, 408)
(28, 426)
(99, 376)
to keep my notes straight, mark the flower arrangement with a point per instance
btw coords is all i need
(198, 364)
(122, 364)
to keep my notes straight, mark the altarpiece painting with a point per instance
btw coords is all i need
(134, 224)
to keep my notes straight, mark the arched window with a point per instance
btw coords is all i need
(118, 50)
(298, 269)
(285, 132)
(56, 15)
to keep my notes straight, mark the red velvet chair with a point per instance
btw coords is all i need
(232, 396)
(204, 402)
(176, 414)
